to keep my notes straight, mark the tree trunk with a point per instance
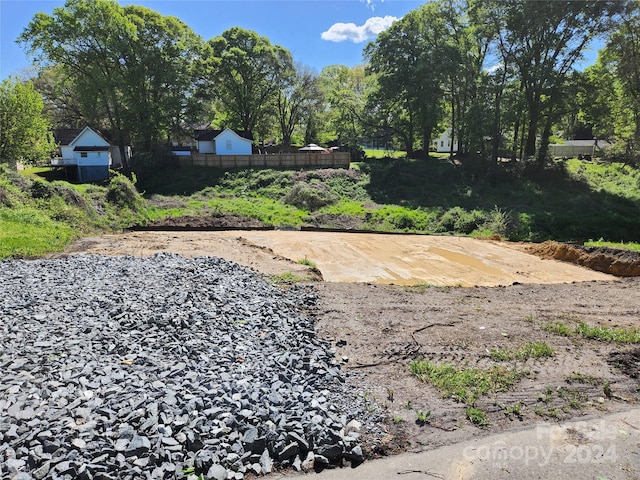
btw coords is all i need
(426, 139)
(113, 113)
(543, 152)
(495, 141)
(123, 151)
(516, 131)
(453, 126)
(532, 130)
(409, 147)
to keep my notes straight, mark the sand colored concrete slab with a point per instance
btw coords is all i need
(415, 259)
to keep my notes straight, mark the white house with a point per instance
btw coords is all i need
(86, 154)
(223, 142)
(442, 144)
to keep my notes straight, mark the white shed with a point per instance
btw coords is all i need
(223, 142)
(85, 154)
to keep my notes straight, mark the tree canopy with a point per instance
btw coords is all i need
(130, 66)
(248, 74)
(25, 134)
(499, 75)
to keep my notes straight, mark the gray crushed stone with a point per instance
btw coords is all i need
(165, 367)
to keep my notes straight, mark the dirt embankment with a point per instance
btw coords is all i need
(619, 262)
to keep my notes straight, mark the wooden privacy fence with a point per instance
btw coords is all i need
(335, 159)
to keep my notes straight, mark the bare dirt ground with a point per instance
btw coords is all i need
(468, 297)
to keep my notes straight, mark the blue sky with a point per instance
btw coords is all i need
(317, 32)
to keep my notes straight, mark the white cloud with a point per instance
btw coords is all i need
(339, 32)
(370, 4)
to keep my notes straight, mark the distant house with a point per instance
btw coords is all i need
(442, 144)
(85, 154)
(577, 148)
(223, 142)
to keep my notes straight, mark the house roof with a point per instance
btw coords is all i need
(209, 134)
(66, 136)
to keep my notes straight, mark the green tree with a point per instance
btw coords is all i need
(622, 57)
(87, 39)
(24, 132)
(158, 71)
(344, 91)
(248, 73)
(61, 100)
(133, 70)
(543, 40)
(297, 101)
(412, 61)
(475, 91)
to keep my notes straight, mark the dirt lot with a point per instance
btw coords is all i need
(468, 297)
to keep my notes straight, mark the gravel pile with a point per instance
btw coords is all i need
(163, 367)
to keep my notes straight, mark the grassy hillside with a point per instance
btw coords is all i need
(39, 216)
(576, 201)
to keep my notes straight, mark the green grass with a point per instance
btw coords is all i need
(397, 419)
(286, 278)
(608, 334)
(418, 287)
(625, 246)
(560, 402)
(477, 417)
(573, 201)
(546, 411)
(466, 385)
(41, 215)
(382, 153)
(431, 196)
(577, 377)
(528, 350)
(617, 179)
(423, 417)
(396, 218)
(514, 410)
(346, 207)
(595, 332)
(27, 232)
(557, 328)
(266, 210)
(307, 262)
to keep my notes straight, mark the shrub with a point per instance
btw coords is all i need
(5, 197)
(309, 196)
(340, 182)
(497, 222)
(40, 189)
(394, 217)
(122, 192)
(256, 179)
(458, 220)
